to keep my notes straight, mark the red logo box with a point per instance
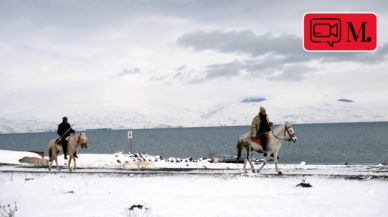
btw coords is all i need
(340, 32)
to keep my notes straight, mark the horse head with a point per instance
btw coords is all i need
(82, 140)
(290, 132)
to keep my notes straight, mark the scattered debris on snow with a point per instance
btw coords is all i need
(303, 184)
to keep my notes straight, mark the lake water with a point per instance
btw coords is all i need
(336, 143)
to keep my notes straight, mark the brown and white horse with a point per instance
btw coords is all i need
(274, 143)
(73, 142)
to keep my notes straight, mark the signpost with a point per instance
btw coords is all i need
(130, 138)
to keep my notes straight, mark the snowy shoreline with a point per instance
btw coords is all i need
(144, 164)
(172, 189)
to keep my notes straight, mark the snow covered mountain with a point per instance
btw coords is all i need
(159, 115)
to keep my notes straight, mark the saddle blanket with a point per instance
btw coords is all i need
(258, 140)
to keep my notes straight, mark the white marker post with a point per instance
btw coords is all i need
(130, 138)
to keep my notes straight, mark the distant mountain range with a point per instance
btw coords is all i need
(159, 115)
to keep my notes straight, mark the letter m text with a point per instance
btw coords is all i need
(351, 29)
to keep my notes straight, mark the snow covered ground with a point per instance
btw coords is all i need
(102, 186)
(159, 115)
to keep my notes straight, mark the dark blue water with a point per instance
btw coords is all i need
(339, 143)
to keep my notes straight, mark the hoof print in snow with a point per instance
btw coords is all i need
(118, 161)
(304, 185)
(69, 192)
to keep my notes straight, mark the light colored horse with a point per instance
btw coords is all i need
(73, 142)
(274, 143)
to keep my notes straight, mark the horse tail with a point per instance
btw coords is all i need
(239, 148)
(50, 151)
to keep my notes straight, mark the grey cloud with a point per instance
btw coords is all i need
(269, 55)
(181, 68)
(268, 70)
(178, 75)
(240, 42)
(87, 14)
(156, 79)
(224, 70)
(182, 76)
(287, 45)
(294, 73)
(127, 72)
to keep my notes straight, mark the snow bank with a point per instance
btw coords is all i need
(72, 194)
(123, 161)
(13, 157)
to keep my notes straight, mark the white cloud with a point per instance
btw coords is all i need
(65, 52)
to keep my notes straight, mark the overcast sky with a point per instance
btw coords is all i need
(184, 53)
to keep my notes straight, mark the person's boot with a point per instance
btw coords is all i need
(274, 156)
(265, 153)
(75, 155)
(65, 157)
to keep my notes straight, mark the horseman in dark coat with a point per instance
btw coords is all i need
(62, 128)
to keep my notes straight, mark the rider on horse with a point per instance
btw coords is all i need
(62, 128)
(260, 125)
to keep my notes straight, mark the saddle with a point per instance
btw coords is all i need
(258, 140)
(59, 142)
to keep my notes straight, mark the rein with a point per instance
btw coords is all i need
(251, 137)
(285, 130)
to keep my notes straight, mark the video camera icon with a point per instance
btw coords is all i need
(325, 30)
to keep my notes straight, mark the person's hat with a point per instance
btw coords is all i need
(64, 118)
(262, 109)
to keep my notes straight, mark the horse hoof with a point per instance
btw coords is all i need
(280, 173)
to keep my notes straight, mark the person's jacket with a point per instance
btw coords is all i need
(255, 126)
(63, 127)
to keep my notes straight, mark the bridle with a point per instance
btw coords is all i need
(83, 145)
(285, 130)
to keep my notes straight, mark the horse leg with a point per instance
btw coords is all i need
(275, 155)
(51, 163)
(249, 159)
(239, 149)
(75, 164)
(73, 157)
(56, 161)
(245, 163)
(264, 163)
(68, 166)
